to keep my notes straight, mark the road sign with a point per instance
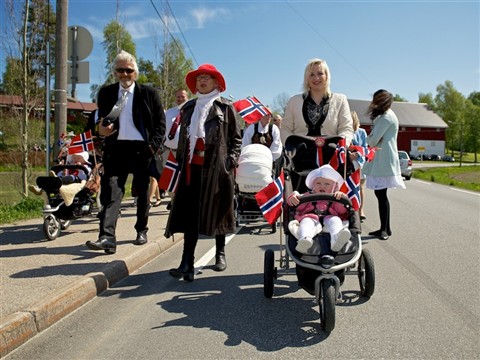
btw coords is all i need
(80, 39)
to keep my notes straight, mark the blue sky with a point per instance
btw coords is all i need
(262, 47)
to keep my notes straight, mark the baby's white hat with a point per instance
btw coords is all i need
(325, 171)
(83, 154)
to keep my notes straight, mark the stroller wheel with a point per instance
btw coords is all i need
(269, 273)
(366, 274)
(65, 224)
(326, 304)
(51, 227)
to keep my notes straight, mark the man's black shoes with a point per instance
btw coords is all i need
(107, 245)
(141, 238)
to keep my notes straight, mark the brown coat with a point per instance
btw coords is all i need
(222, 148)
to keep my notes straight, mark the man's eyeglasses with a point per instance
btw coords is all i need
(124, 70)
(204, 77)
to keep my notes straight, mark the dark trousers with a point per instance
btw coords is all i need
(122, 158)
(383, 209)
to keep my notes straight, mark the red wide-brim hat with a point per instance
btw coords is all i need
(191, 78)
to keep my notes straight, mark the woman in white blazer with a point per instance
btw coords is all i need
(317, 111)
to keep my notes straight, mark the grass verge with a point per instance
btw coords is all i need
(465, 177)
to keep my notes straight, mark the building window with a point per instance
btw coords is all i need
(432, 144)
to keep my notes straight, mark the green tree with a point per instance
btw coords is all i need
(472, 124)
(399, 98)
(25, 32)
(116, 38)
(427, 99)
(279, 103)
(172, 71)
(450, 106)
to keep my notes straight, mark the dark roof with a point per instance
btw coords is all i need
(408, 114)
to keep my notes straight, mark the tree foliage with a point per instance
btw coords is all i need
(116, 38)
(279, 103)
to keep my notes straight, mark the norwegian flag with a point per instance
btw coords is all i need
(370, 153)
(361, 151)
(81, 142)
(270, 199)
(351, 187)
(251, 109)
(170, 175)
(339, 157)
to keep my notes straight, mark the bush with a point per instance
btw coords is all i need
(27, 208)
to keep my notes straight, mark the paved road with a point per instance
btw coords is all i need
(424, 307)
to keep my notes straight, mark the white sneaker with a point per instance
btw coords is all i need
(338, 241)
(304, 244)
(35, 189)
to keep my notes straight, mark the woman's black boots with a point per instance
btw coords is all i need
(186, 268)
(220, 262)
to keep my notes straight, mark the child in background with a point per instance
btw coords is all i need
(310, 216)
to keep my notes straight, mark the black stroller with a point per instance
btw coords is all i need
(319, 277)
(57, 215)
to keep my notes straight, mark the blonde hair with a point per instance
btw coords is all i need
(308, 70)
(356, 121)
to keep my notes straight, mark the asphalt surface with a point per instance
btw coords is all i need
(43, 281)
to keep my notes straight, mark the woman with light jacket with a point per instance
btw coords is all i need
(384, 171)
(317, 111)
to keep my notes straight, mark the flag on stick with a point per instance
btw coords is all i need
(251, 109)
(170, 175)
(80, 143)
(270, 199)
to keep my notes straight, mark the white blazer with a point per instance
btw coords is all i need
(338, 122)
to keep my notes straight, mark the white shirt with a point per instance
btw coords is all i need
(127, 129)
(275, 148)
(170, 116)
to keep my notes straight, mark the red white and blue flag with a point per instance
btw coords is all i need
(170, 175)
(270, 199)
(351, 187)
(81, 142)
(251, 109)
(339, 157)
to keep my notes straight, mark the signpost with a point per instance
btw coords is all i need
(80, 45)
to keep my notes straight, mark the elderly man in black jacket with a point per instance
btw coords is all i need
(132, 120)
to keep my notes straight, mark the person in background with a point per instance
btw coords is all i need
(359, 139)
(132, 136)
(277, 120)
(207, 153)
(262, 132)
(317, 111)
(173, 128)
(383, 172)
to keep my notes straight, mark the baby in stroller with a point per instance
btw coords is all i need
(310, 216)
(68, 193)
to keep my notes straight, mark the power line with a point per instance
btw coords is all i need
(181, 32)
(173, 38)
(328, 43)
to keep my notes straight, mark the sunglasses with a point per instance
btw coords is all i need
(124, 70)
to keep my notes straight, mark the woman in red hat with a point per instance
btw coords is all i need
(208, 148)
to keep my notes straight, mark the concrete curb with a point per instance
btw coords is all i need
(19, 327)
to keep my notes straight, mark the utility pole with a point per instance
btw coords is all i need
(61, 34)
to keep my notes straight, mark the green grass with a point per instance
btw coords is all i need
(464, 177)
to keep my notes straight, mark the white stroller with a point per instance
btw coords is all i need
(254, 172)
